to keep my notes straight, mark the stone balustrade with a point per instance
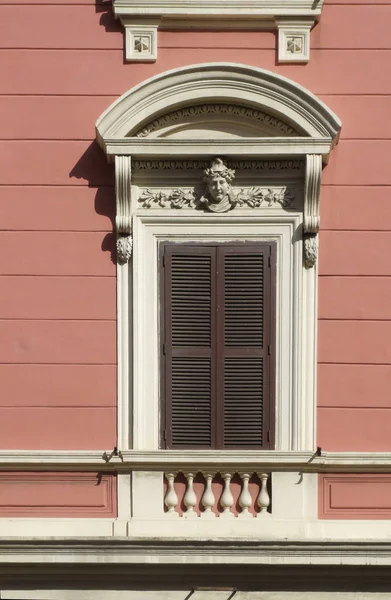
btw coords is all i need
(210, 495)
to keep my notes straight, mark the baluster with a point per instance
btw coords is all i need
(190, 499)
(245, 500)
(227, 498)
(208, 499)
(263, 499)
(171, 498)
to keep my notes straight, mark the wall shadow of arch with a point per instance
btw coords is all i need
(93, 167)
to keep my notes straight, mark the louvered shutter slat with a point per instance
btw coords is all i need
(243, 274)
(189, 319)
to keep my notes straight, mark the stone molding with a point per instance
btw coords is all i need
(184, 165)
(141, 19)
(246, 86)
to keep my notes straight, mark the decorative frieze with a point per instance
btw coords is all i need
(251, 165)
(218, 196)
(227, 110)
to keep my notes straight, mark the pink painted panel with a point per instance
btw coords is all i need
(366, 342)
(357, 115)
(54, 163)
(58, 385)
(55, 117)
(354, 386)
(355, 253)
(223, 39)
(354, 429)
(70, 27)
(66, 208)
(355, 298)
(359, 162)
(96, 72)
(57, 298)
(52, 342)
(351, 496)
(99, 3)
(57, 428)
(353, 27)
(56, 253)
(58, 495)
(355, 207)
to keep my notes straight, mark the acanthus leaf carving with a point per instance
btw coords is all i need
(256, 197)
(124, 248)
(310, 250)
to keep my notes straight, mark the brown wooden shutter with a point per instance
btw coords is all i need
(243, 345)
(189, 316)
(217, 324)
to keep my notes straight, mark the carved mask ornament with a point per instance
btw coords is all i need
(220, 196)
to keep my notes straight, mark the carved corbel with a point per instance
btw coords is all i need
(311, 208)
(123, 219)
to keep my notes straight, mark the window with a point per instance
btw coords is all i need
(217, 331)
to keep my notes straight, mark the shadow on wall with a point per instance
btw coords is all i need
(93, 167)
(107, 19)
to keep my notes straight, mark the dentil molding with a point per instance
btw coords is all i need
(293, 19)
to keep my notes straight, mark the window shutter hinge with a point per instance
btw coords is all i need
(269, 261)
(269, 349)
(268, 436)
(163, 261)
(164, 349)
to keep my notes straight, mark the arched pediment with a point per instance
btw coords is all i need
(215, 101)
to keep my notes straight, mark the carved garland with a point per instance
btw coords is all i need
(233, 110)
(255, 197)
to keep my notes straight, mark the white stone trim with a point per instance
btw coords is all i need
(140, 42)
(128, 460)
(294, 40)
(219, 14)
(220, 82)
(305, 551)
(246, 147)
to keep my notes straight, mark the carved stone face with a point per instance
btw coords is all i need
(218, 188)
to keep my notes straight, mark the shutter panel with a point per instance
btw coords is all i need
(217, 326)
(244, 327)
(189, 339)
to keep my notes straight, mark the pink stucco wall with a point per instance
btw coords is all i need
(57, 306)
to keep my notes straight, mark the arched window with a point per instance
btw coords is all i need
(212, 159)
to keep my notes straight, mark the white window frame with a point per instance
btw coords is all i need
(295, 318)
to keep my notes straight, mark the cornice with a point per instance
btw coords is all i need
(58, 551)
(292, 18)
(160, 460)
